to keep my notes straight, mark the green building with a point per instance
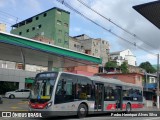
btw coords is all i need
(52, 24)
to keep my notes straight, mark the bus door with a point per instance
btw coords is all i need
(99, 93)
(118, 97)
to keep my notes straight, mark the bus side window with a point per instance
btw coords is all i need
(109, 94)
(126, 93)
(84, 88)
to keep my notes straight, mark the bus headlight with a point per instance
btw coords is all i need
(48, 105)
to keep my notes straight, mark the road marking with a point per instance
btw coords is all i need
(19, 110)
(14, 107)
(154, 118)
(20, 103)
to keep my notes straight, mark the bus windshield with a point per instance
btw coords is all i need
(43, 86)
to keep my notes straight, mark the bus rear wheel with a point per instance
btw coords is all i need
(82, 111)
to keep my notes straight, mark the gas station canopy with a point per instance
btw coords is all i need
(20, 49)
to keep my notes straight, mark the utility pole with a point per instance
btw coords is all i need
(158, 81)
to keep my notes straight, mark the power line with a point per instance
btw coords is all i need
(70, 7)
(4, 20)
(108, 19)
(8, 14)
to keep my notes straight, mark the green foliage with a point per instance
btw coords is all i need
(124, 67)
(148, 67)
(110, 65)
(7, 86)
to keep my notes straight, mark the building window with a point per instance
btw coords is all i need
(33, 28)
(28, 20)
(45, 14)
(20, 33)
(4, 65)
(59, 22)
(60, 31)
(81, 47)
(59, 12)
(27, 30)
(107, 51)
(94, 44)
(59, 40)
(66, 42)
(39, 26)
(75, 45)
(65, 24)
(37, 18)
(66, 34)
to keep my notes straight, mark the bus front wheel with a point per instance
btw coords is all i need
(82, 111)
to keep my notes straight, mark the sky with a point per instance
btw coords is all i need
(118, 11)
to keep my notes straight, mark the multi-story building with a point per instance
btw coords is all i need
(2, 27)
(48, 26)
(95, 47)
(123, 56)
(75, 45)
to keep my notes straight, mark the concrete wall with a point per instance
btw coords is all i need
(75, 45)
(125, 55)
(84, 70)
(149, 103)
(12, 75)
(95, 47)
(54, 26)
(128, 78)
(2, 27)
(131, 59)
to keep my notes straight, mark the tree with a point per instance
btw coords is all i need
(124, 67)
(148, 67)
(111, 65)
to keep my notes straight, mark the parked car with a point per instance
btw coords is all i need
(1, 101)
(21, 93)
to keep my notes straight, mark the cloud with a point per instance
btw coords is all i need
(122, 13)
(76, 29)
(4, 3)
(34, 5)
(147, 57)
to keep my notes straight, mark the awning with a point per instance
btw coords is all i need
(151, 11)
(38, 53)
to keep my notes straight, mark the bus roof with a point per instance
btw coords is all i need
(112, 81)
(101, 79)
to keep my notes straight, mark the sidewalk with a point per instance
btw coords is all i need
(149, 109)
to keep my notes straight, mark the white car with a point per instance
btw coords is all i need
(22, 93)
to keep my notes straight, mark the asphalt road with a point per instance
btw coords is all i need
(22, 105)
(89, 118)
(14, 105)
